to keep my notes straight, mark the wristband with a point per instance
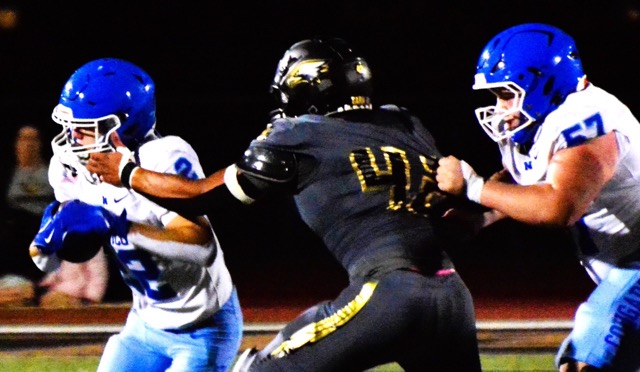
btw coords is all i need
(231, 181)
(126, 173)
(474, 183)
(126, 157)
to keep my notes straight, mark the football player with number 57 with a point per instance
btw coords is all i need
(185, 314)
(571, 157)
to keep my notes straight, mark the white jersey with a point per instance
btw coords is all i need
(167, 293)
(612, 222)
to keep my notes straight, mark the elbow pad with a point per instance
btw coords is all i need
(261, 171)
(268, 164)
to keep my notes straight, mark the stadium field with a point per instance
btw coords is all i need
(490, 362)
(34, 339)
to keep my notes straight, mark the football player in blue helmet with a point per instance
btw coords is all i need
(571, 154)
(185, 313)
(535, 65)
(101, 97)
(362, 178)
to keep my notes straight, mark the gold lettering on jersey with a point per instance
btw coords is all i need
(428, 194)
(395, 174)
(364, 164)
(397, 159)
(314, 332)
(373, 178)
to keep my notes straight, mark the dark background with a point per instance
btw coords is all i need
(213, 61)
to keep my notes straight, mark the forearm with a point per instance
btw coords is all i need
(219, 199)
(164, 185)
(183, 196)
(189, 244)
(534, 204)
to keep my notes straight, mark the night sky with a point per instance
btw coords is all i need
(213, 62)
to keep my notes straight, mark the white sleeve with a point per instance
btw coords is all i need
(62, 181)
(173, 155)
(201, 255)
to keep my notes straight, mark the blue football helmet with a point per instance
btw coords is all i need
(321, 76)
(104, 95)
(536, 64)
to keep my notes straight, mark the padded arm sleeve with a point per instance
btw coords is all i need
(262, 171)
(268, 164)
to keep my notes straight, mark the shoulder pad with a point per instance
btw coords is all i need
(268, 164)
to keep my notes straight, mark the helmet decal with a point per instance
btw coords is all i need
(306, 72)
(321, 76)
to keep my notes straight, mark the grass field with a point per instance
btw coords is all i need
(490, 363)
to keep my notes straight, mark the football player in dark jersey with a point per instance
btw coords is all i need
(363, 179)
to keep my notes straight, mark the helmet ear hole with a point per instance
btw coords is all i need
(548, 86)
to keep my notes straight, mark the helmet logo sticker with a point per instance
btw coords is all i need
(306, 72)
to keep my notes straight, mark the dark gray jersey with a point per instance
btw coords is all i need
(367, 188)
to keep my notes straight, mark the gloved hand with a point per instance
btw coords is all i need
(49, 238)
(75, 222)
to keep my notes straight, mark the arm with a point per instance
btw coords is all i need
(163, 185)
(182, 240)
(574, 179)
(77, 227)
(185, 196)
(260, 171)
(472, 221)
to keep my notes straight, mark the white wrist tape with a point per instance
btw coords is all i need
(127, 166)
(231, 181)
(474, 182)
(127, 156)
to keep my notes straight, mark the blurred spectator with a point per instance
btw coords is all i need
(29, 190)
(28, 194)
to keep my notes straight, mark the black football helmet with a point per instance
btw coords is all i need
(321, 76)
